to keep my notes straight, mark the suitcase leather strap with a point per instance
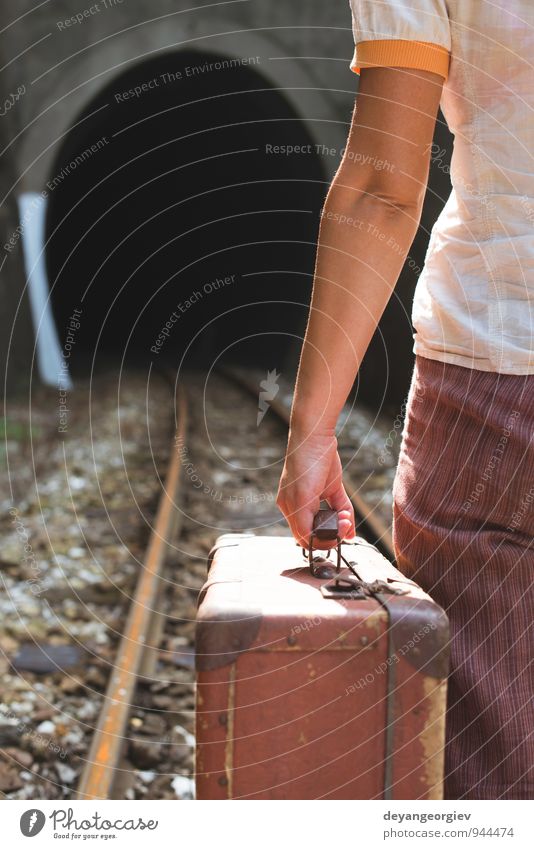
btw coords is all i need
(325, 527)
(390, 697)
(380, 590)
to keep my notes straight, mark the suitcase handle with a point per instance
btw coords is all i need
(325, 527)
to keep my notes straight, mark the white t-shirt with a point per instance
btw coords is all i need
(474, 300)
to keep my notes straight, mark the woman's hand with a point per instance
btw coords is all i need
(312, 472)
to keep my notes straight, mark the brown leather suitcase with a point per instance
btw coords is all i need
(312, 687)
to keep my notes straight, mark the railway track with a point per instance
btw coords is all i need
(137, 652)
(99, 773)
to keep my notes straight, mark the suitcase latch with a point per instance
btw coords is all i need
(325, 527)
(344, 587)
(350, 586)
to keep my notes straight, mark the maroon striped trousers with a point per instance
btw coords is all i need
(463, 528)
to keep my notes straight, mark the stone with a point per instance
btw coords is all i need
(183, 659)
(46, 658)
(144, 754)
(162, 702)
(20, 757)
(46, 727)
(184, 787)
(181, 735)
(66, 773)
(71, 686)
(146, 775)
(42, 714)
(9, 778)
(9, 732)
(96, 678)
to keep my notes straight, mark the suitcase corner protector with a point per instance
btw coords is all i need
(223, 634)
(228, 540)
(430, 652)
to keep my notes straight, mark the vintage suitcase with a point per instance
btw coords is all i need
(311, 687)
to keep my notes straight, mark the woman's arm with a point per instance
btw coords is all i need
(368, 223)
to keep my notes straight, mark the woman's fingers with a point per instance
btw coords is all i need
(336, 495)
(299, 504)
(301, 522)
(346, 525)
(299, 508)
(313, 473)
(302, 525)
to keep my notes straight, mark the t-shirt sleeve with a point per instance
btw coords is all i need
(401, 33)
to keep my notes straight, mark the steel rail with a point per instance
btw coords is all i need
(99, 772)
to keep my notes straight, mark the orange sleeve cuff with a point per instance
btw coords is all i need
(401, 53)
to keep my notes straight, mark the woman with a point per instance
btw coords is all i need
(463, 521)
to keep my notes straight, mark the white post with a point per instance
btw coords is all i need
(32, 212)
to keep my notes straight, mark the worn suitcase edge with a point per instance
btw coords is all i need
(219, 641)
(420, 627)
(420, 632)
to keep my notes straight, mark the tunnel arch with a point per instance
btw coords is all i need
(73, 84)
(175, 201)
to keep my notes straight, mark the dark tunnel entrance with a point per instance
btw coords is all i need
(175, 228)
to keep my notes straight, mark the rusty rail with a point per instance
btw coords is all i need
(100, 767)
